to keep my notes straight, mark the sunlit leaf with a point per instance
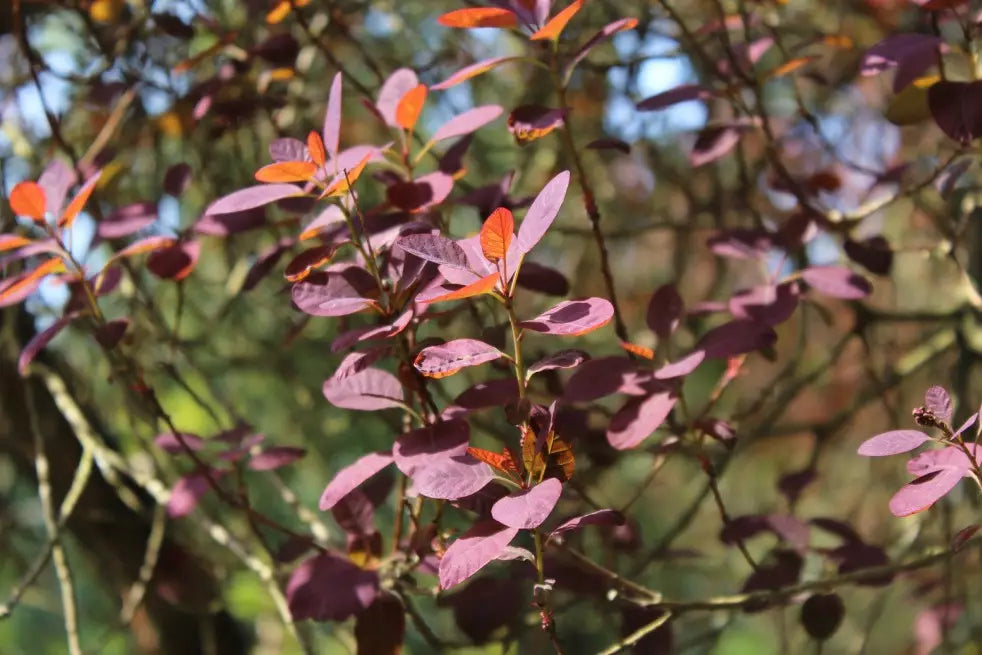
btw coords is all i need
(497, 233)
(27, 199)
(315, 146)
(484, 285)
(11, 241)
(557, 23)
(75, 206)
(31, 279)
(287, 171)
(342, 183)
(473, 70)
(479, 17)
(410, 106)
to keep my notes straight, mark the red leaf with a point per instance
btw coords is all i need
(497, 233)
(557, 23)
(478, 17)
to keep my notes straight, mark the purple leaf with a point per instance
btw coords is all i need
(56, 179)
(368, 390)
(740, 243)
(766, 304)
(573, 317)
(952, 458)
(253, 196)
(610, 144)
(837, 281)
(608, 30)
(873, 254)
(176, 179)
(174, 262)
(467, 122)
(542, 279)
(188, 492)
(328, 295)
(603, 376)
(222, 225)
(528, 508)
(531, 122)
(969, 422)
(358, 362)
(332, 119)
(446, 359)
(486, 604)
(938, 402)
(910, 54)
(542, 212)
(892, 443)
(955, 107)
(40, 340)
(392, 91)
(351, 477)
(736, 338)
(482, 544)
(714, 142)
(563, 359)
(420, 194)
(288, 149)
(681, 367)
(665, 99)
(493, 393)
(435, 248)
(599, 517)
(452, 478)
(127, 220)
(423, 447)
(329, 587)
(473, 70)
(275, 457)
(924, 491)
(638, 418)
(665, 310)
(110, 333)
(171, 444)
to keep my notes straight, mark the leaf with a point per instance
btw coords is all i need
(381, 629)
(767, 304)
(598, 517)
(467, 122)
(40, 340)
(484, 285)
(176, 261)
(254, 196)
(570, 358)
(963, 536)
(143, 246)
(714, 142)
(736, 338)
(788, 67)
(638, 418)
(837, 281)
(435, 248)
(478, 17)
(892, 443)
(665, 99)
(344, 179)
(176, 179)
(556, 25)
(75, 206)
(542, 212)
(911, 105)
(447, 359)
(681, 367)
(605, 33)
(573, 317)
(937, 400)
(328, 295)
(368, 390)
(55, 181)
(531, 122)
(111, 333)
(329, 587)
(276, 457)
(503, 462)
(27, 199)
(332, 118)
(821, 615)
(453, 478)
(127, 220)
(392, 91)
(603, 376)
(28, 281)
(956, 109)
(874, 254)
(473, 70)
(497, 233)
(910, 54)
(665, 311)
(923, 492)
(315, 146)
(410, 106)
(188, 492)
(12, 241)
(528, 508)
(474, 549)
(351, 477)
(287, 171)
(301, 266)
(430, 444)
(639, 350)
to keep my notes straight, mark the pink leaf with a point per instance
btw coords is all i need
(447, 359)
(452, 478)
(681, 367)
(368, 390)
(638, 418)
(332, 118)
(392, 91)
(563, 359)
(275, 457)
(467, 122)
(474, 549)
(433, 443)
(937, 400)
(542, 212)
(351, 477)
(253, 196)
(528, 508)
(924, 492)
(599, 517)
(892, 443)
(40, 340)
(837, 281)
(573, 317)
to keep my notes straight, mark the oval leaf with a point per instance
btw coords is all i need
(497, 233)
(368, 390)
(351, 477)
(474, 549)
(542, 212)
(452, 478)
(528, 508)
(447, 359)
(467, 122)
(638, 418)
(250, 197)
(892, 443)
(573, 317)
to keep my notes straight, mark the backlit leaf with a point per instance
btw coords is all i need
(332, 118)
(478, 17)
(473, 550)
(557, 23)
(40, 340)
(473, 70)
(315, 146)
(75, 206)
(27, 199)
(410, 106)
(287, 171)
(446, 359)
(497, 233)
(484, 285)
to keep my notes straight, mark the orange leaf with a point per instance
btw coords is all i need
(407, 112)
(287, 171)
(341, 183)
(479, 17)
(497, 233)
(501, 461)
(47, 266)
(640, 351)
(789, 66)
(557, 23)
(27, 199)
(75, 206)
(146, 245)
(278, 13)
(11, 241)
(484, 285)
(315, 146)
